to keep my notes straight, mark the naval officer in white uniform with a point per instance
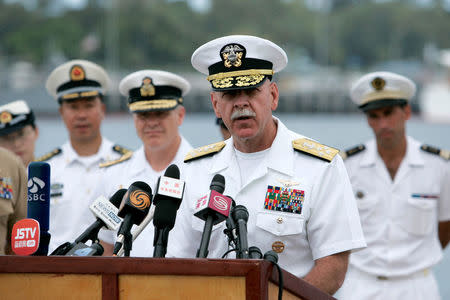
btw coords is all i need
(79, 87)
(402, 188)
(296, 190)
(155, 98)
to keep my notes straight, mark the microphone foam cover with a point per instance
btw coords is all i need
(172, 171)
(116, 199)
(218, 183)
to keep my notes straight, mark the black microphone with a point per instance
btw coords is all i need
(81, 249)
(255, 252)
(106, 213)
(213, 209)
(39, 202)
(272, 256)
(133, 209)
(167, 200)
(240, 216)
(230, 230)
(106, 216)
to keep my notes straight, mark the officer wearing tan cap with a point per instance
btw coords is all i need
(79, 87)
(403, 194)
(18, 131)
(155, 98)
(295, 189)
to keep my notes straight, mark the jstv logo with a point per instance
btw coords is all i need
(34, 185)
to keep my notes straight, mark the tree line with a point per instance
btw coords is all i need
(163, 34)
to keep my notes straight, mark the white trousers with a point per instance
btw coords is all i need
(359, 285)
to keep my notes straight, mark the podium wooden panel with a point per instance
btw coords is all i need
(53, 277)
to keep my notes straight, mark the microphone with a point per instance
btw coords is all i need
(255, 252)
(106, 214)
(230, 231)
(81, 249)
(239, 215)
(272, 256)
(169, 194)
(133, 209)
(39, 202)
(137, 230)
(213, 209)
(25, 237)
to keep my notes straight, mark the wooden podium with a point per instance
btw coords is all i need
(110, 278)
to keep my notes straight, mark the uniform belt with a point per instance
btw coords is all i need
(421, 273)
(424, 272)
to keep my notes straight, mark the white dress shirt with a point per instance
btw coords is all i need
(137, 168)
(327, 223)
(73, 181)
(400, 217)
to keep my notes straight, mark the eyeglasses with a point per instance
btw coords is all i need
(20, 136)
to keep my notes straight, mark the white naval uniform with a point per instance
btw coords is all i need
(73, 182)
(123, 174)
(328, 222)
(400, 222)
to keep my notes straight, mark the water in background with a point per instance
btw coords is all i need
(339, 131)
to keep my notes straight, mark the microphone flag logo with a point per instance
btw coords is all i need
(140, 199)
(25, 237)
(34, 184)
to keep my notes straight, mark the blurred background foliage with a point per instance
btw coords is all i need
(163, 33)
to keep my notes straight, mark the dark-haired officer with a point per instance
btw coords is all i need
(79, 87)
(18, 131)
(402, 189)
(296, 190)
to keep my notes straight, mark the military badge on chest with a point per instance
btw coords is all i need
(56, 190)
(284, 199)
(6, 188)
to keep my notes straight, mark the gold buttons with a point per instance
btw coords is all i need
(279, 220)
(278, 246)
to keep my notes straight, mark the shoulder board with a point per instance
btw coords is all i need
(204, 151)
(445, 154)
(314, 149)
(121, 150)
(123, 158)
(352, 151)
(49, 155)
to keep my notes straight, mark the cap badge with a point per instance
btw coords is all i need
(378, 83)
(232, 55)
(5, 117)
(278, 246)
(147, 88)
(77, 73)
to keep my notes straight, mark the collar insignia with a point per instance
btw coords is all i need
(378, 83)
(147, 88)
(5, 117)
(77, 73)
(232, 55)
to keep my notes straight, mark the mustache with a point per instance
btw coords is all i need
(242, 113)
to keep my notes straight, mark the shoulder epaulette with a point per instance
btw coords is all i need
(445, 154)
(49, 155)
(204, 151)
(121, 150)
(123, 158)
(352, 151)
(314, 149)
